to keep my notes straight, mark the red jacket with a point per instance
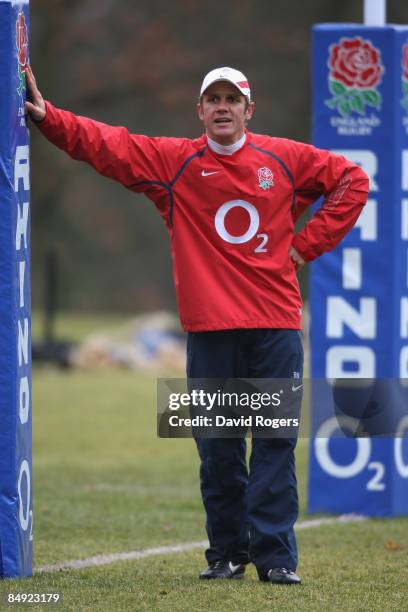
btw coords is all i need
(230, 218)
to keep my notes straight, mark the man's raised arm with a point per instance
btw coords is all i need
(131, 159)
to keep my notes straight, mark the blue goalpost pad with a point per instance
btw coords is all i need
(16, 515)
(359, 291)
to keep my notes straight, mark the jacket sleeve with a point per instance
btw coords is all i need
(135, 161)
(345, 189)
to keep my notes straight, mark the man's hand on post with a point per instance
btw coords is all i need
(35, 106)
(296, 258)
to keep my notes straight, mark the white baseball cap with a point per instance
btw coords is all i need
(231, 75)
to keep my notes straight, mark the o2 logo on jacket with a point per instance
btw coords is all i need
(250, 233)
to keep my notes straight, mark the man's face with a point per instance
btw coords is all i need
(223, 111)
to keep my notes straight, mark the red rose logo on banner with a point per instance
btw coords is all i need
(404, 62)
(22, 49)
(355, 73)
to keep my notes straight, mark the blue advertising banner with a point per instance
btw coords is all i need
(359, 292)
(16, 515)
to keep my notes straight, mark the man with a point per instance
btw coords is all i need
(230, 200)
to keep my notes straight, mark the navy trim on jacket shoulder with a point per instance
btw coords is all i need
(282, 164)
(199, 153)
(169, 186)
(148, 183)
(185, 164)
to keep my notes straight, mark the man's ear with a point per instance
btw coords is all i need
(249, 111)
(200, 111)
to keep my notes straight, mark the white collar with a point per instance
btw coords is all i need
(226, 149)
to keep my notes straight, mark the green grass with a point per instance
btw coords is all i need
(105, 483)
(338, 573)
(128, 489)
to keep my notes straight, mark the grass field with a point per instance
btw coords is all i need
(104, 483)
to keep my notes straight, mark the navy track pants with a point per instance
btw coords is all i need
(250, 516)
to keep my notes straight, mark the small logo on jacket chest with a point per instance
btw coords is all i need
(265, 178)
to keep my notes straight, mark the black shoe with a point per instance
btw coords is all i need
(223, 569)
(281, 575)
